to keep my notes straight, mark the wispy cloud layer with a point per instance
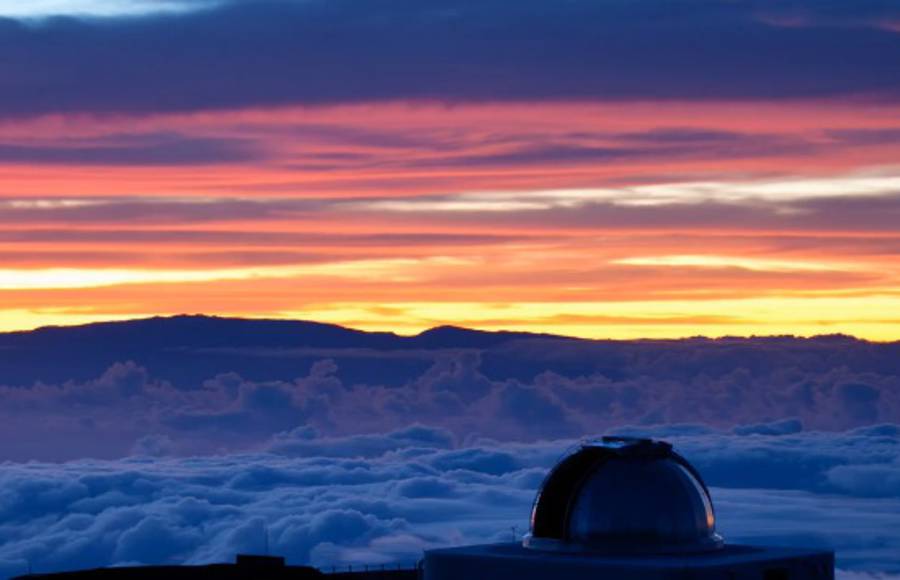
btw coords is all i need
(765, 255)
(41, 9)
(424, 156)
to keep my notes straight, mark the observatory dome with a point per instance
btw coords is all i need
(623, 495)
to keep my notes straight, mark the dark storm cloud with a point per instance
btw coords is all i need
(334, 51)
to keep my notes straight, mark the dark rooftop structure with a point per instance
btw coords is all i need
(245, 567)
(625, 509)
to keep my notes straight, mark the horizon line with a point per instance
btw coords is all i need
(143, 318)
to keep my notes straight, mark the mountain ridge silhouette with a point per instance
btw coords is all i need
(189, 349)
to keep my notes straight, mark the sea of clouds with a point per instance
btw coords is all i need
(564, 390)
(380, 499)
(364, 456)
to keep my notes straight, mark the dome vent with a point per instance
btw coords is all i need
(623, 495)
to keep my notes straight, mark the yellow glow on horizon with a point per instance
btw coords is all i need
(860, 316)
(15, 320)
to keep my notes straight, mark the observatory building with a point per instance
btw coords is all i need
(625, 509)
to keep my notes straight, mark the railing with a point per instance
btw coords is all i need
(397, 571)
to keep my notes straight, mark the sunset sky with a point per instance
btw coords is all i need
(600, 168)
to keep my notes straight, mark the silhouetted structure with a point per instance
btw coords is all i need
(625, 509)
(246, 567)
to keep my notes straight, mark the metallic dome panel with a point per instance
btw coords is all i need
(621, 495)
